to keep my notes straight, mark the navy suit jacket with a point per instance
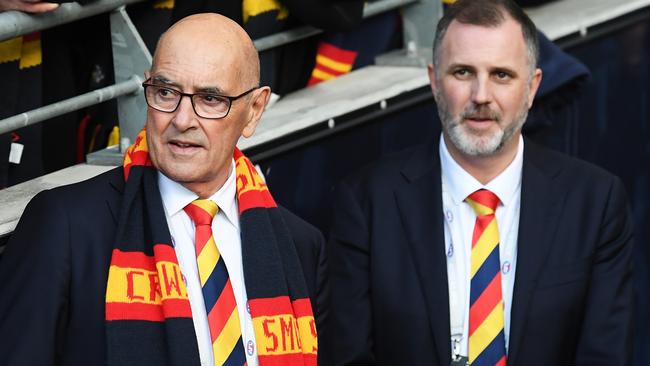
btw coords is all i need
(53, 274)
(572, 300)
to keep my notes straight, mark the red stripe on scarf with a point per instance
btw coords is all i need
(36, 36)
(132, 260)
(255, 199)
(302, 307)
(172, 308)
(280, 305)
(336, 53)
(162, 252)
(288, 360)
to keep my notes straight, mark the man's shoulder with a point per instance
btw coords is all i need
(395, 168)
(98, 188)
(300, 230)
(87, 208)
(567, 168)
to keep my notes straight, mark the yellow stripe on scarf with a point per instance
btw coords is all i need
(10, 49)
(163, 4)
(31, 53)
(252, 8)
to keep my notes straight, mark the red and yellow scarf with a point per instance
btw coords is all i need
(148, 315)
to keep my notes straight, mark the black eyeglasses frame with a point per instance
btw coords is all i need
(231, 99)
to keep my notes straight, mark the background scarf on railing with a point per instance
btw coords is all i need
(148, 315)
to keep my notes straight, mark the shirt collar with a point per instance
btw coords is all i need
(460, 184)
(175, 197)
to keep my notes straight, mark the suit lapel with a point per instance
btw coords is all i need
(541, 202)
(419, 202)
(115, 191)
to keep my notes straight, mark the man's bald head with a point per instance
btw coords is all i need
(210, 37)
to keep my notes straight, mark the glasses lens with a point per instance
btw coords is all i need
(211, 105)
(161, 98)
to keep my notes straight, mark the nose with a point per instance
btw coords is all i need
(481, 93)
(184, 117)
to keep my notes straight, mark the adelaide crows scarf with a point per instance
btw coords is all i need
(148, 315)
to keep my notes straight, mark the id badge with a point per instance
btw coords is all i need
(459, 361)
(456, 358)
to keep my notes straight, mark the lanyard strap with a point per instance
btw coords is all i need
(456, 304)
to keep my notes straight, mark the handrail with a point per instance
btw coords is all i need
(69, 105)
(378, 7)
(16, 23)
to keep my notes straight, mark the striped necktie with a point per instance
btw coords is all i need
(220, 305)
(486, 319)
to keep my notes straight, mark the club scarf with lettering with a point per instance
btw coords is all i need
(148, 315)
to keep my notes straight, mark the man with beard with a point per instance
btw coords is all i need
(482, 248)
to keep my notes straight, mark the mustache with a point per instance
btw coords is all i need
(480, 112)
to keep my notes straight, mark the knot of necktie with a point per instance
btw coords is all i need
(201, 211)
(483, 202)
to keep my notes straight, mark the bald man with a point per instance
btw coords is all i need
(180, 256)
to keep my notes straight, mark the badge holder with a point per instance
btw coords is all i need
(456, 358)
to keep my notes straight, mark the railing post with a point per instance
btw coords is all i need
(420, 20)
(130, 57)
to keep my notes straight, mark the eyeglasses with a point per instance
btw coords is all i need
(205, 105)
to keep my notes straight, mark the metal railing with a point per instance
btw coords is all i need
(81, 101)
(131, 58)
(16, 23)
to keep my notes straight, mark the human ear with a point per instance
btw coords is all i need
(259, 100)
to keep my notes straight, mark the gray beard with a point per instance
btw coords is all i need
(473, 145)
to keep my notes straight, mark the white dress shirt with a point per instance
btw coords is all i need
(457, 184)
(225, 229)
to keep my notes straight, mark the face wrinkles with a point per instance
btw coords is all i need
(482, 87)
(189, 149)
(164, 81)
